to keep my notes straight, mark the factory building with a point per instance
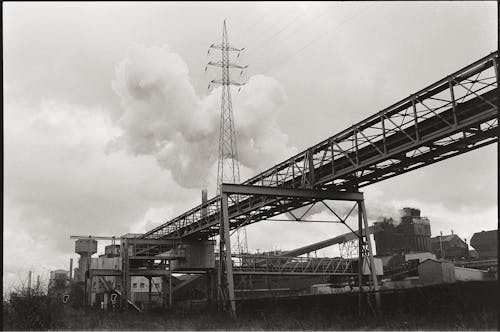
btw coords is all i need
(58, 282)
(144, 292)
(410, 234)
(450, 247)
(102, 286)
(485, 243)
(140, 287)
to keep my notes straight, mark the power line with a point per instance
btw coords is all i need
(285, 59)
(258, 22)
(251, 26)
(277, 33)
(260, 51)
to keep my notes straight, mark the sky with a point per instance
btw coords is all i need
(109, 126)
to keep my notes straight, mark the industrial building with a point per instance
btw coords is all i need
(146, 291)
(437, 271)
(450, 247)
(99, 277)
(406, 244)
(408, 252)
(486, 244)
(58, 282)
(410, 234)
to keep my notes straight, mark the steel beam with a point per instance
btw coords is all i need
(320, 273)
(143, 258)
(360, 258)
(83, 237)
(241, 189)
(136, 241)
(104, 272)
(325, 243)
(148, 272)
(201, 271)
(170, 303)
(226, 262)
(370, 255)
(125, 274)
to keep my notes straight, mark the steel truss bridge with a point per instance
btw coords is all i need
(282, 265)
(455, 115)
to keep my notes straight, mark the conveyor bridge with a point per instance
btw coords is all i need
(452, 116)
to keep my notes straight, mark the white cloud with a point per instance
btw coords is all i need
(163, 117)
(60, 182)
(62, 178)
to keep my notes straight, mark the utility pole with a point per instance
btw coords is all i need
(70, 269)
(29, 283)
(441, 244)
(228, 169)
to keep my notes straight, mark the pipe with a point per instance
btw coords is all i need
(70, 269)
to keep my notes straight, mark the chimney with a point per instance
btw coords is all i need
(204, 195)
(29, 283)
(452, 232)
(70, 269)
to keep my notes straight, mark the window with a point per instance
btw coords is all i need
(157, 286)
(134, 285)
(142, 285)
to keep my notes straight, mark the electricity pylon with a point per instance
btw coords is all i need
(228, 169)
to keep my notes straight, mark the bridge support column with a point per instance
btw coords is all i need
(91, 289)
(360, 260)
(164, 289)
(306, 195)
(364, 231)
(226, 281)
(150, 280)
(170, 295)
(125, 287)
(211, 288)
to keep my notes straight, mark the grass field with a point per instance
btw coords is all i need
(469, 306)
(80, 320)
(68, 318)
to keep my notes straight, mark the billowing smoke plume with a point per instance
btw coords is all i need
(163, 116)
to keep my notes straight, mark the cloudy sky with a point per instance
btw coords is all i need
(109, 127)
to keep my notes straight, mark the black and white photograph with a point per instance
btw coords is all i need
(250, 166)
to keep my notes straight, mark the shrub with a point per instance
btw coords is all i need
(38, 312)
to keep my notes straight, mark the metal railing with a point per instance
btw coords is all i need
(265, 264)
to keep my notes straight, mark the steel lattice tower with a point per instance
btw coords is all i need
(228, 169)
